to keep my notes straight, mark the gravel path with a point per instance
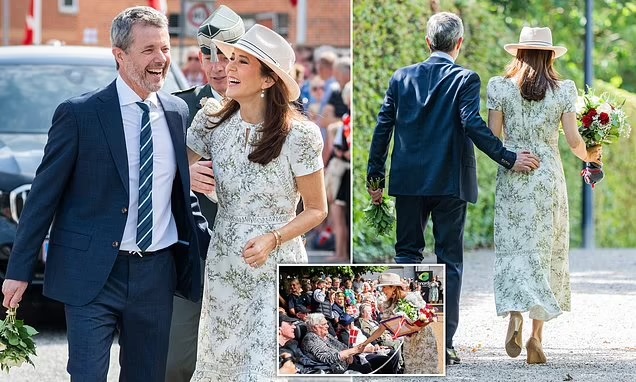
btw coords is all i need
(596, 342)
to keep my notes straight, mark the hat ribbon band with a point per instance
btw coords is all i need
(254, 47)
(535, 42)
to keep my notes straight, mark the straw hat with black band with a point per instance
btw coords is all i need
(271, 49)
(535, 39)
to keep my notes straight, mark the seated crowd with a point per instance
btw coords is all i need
(321, 322)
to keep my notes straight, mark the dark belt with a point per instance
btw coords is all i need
(144, 254)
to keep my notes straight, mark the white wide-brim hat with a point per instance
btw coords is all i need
(224, 24)
(537, 39)
(271, 49)
(388, 279)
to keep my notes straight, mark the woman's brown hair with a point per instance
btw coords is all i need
(279, 113)
(536, 73)
(399, 293)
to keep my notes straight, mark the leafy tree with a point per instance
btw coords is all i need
(341, 271)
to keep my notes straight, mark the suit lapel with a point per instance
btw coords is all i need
(177, 134)
(109, 114)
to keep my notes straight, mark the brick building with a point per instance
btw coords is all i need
(87, 22)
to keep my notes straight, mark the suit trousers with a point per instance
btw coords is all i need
(136, 301)
(184, 335)
(449, 216)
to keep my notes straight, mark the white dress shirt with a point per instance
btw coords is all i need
(445, 55)
(164, 228)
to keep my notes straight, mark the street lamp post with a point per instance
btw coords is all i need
(588, 197)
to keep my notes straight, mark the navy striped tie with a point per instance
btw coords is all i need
(144, 212)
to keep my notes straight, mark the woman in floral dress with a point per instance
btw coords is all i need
(265, 156)
(531, 211)
(419, 349)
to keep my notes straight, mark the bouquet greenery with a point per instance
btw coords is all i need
(408, 319)
(16, 344)
(420, 316)
(601, 120)
(380, 216)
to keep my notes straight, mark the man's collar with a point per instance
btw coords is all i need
(445, 55)
(127, 95)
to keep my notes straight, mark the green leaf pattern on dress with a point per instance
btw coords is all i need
(237, 333)
(531, 227)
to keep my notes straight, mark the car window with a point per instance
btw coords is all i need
(29, 94)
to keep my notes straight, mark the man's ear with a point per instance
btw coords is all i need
(118, 53)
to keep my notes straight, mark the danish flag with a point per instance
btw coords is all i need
(159, 5)
(30, 25)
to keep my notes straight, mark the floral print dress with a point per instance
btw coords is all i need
(237, 333)
(531, 210)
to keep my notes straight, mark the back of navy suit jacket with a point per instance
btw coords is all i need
(81, 187)
(432, 108)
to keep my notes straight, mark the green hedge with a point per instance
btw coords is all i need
(389, 35)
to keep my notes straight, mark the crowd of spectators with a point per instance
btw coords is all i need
(323, 319)
(324, 77)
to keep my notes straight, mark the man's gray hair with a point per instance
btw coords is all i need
(444, 30)
(313, 320)
(121, 30)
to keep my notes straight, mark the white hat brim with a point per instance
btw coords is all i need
(558, 50)
(292, 86)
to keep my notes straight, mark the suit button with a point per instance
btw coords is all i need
(124, 210)
(115, 244)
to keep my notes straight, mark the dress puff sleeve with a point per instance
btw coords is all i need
(305, 148)
(570, 96)
(415, 299)
(494, 93)
(199, 135)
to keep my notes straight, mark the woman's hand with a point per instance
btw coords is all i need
(257, 250)
(595, 154)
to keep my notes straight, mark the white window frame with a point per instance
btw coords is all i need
(69, 9)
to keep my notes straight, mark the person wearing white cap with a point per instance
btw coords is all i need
(265, 156)
(532, 239)
(225, 25)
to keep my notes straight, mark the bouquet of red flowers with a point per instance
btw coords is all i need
(409, 318)
(601, 121)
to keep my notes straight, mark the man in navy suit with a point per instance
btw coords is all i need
(88, 186)
(433, 109)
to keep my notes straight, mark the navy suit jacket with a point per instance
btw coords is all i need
(433, 109)
(81, 187)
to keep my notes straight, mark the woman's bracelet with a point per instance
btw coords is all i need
(279, 239)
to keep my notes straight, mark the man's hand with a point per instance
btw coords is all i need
(13, 291)
(526, 162)
(376, 195)
(202, 177)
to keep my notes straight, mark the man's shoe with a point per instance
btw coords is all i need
(451, 357)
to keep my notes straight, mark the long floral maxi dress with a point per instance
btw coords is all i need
(237, 336)
(531, 227)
